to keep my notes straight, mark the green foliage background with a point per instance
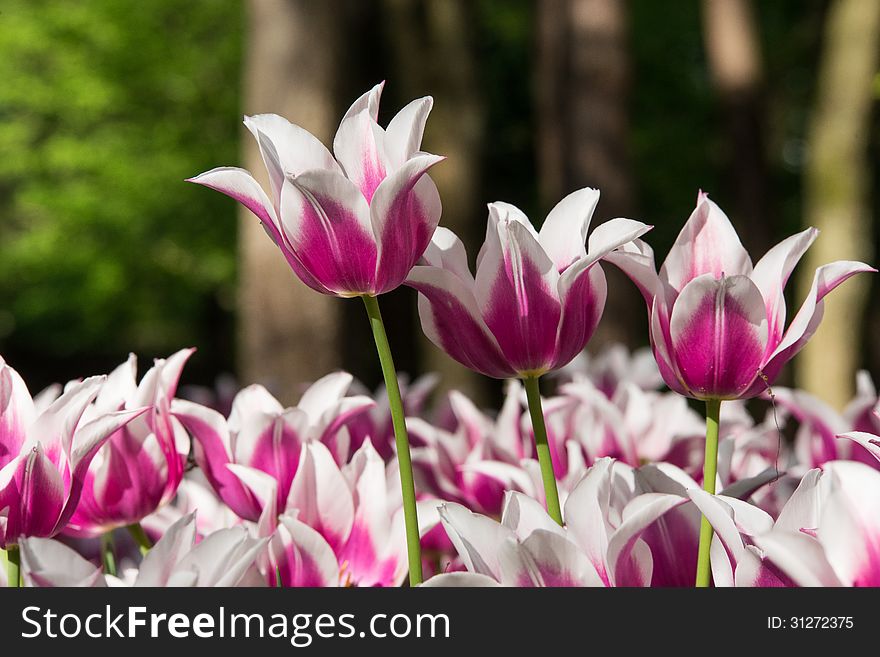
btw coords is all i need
(105, 108)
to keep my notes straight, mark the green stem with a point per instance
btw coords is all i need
(13, 566)
(533, 392)
(398, 419)
(108, 553)
(710, 467)
(140, 537)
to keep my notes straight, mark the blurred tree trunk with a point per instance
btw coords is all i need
(433, 47)
(582, 87)
(836, 193)
(287, 332)
(734, 54)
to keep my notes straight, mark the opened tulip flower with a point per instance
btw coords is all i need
(140, 467)
(263, 435)
(536, 299)
(45, 457)
(717, 323)
(351, 223)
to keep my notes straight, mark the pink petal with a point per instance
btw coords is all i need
(55, 427)
(452, 321)
(403, 136)
(771, 275)
(211, 450)
(564, 232)
(556, 561)
(446, 251)
(41, 490)
(302, 556)
(708, 244)
(321, 495)
(636, 260)
(327, 222)
(867, 440)
(583, 300)
(294, 149)
(799, 557)
(365, 551)
(849, 528)
(368, 101)
(16, 413)
(405, 211)
(88, 440)
(719, 334)
(639, 515)
(808, 318)
(359, 146)
(516, 290)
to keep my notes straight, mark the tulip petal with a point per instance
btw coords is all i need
(405, 211)
(719, 334)
(159, 563)
(564, 232)
(643, 511)
(365, 551)
(849, 528)
(516, 291)
(327, 223)
(49, 563)
(302, 556)
(799, 556)
(459, 580)
(222, 558)
(446, 251)
(368, 101)
(636, 260)
(211, 448)
(867, 440)
(41, 494)
(295, 149)
(359, 146)
(585, 515)
(556, 561)
(451, 320)
(583, 300)
(808, 317)
(476, 538)
(771, 275)
(16, 413)
(403, 136)
(321, 495)
(523, 515)
(708, 244)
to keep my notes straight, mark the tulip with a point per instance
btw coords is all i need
(262, 435)
(44, 458)
(476, 462)
(535, 301)
(141, 465)
(349, 224)
(337, 525)
(623, 528)
(717, 323)
(828, 533)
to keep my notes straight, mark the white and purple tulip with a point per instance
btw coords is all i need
(349, 223)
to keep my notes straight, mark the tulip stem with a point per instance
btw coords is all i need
(710, 467)
(13, 566)
(398, 419)
(108, 553)
(140, 537)
(533, 393)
